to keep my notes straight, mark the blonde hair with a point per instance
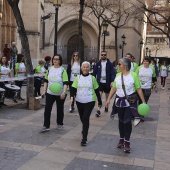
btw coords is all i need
(72, 58)
(41, 62)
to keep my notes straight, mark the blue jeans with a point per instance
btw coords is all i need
(12, 62)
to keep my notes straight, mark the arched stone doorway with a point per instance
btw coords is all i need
(72, 46)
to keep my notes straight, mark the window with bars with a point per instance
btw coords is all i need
(159, 40)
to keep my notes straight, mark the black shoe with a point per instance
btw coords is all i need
(15, 101)
(2, 104)
(98, 114)
(21, 99)
(71, 110)
(106, 110)
(84, 142)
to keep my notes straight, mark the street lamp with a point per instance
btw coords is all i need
(147, 49)
(149, 53)
(105, 32)
(57, 4)
(123, 44)
(141, 44)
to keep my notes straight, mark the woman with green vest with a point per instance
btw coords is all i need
(38, 80)
(20, 71)
(85, 88)
(55, 87)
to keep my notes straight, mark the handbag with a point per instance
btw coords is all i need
(133, 98)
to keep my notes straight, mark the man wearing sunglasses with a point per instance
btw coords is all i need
(105, 74)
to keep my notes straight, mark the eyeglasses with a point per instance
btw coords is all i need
(103, 54)
(56, 59)
(119, 64)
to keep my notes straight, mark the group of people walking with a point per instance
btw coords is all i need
(131, 83)
(86, 86)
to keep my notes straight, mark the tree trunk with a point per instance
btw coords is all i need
(25, 47)
(116, 43)
(99, 37)
(80, 43)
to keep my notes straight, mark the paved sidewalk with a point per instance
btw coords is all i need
(22, 147)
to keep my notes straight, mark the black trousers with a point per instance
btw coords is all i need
(50, 99)
(19, 83)
(125, 124)
(37, 86)
(163, 79)
(145, 96)
(85, 110)
(71, 89)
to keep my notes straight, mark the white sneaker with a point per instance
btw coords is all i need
(136, 122)
(163, 88)
(60, 126)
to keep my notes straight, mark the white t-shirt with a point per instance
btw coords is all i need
(103, 72)
(55, 76)
(4, 69)
(163, 71)
(75, 70)
(42, 69)
(131, 82)
(145, 76)
(21, 68)
(132, 67)
(86, 86)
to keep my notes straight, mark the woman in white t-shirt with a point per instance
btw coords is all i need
(122, 106)
(20, 71)
(163, 74)
(147, 76)
(55, 89)
(73, 70)
(85, 88)
(4, 73)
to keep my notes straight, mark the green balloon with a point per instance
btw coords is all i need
(55, 88)
(143, 109)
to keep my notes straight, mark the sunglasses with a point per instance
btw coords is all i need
(103, 54)
(75, 55)
(119, 64)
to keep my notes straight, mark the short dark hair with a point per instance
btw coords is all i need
(129, 54)
(60, 58)
(147, 59)
(103, 52)
(19, 57)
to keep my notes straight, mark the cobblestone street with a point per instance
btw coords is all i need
(22, 147)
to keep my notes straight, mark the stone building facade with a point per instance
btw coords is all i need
(156, 42)
(41, 32)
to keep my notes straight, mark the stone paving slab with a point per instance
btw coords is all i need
(12, 159)
(86, 164)
(60, 149)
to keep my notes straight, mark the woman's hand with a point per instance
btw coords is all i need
(63, 95)
(107, 103)
(43, 94)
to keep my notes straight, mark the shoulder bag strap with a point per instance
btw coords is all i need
(123, 85)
